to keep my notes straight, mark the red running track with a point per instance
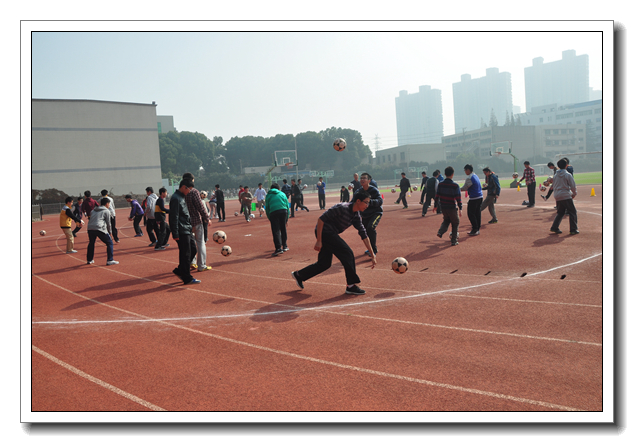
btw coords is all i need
(510, 320)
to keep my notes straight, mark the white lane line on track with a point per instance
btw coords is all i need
(101, 383)
(338, 365)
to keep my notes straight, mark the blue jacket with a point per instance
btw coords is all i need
(473, 186)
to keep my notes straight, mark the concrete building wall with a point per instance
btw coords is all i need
(165, 123)
(419, 116)
(80, 145)
(403, 155)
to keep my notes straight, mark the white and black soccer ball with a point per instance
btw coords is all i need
(226, 250)
(42, 233)
(399, 265)
(236, 213)
(220, 237)
(339, 144)
(393, 190)
(305, 186)
(415, 188)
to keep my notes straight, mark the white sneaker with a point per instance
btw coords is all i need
(71, 252)
(90, 262)
(112, 262)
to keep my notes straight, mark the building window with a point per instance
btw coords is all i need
(402, 156)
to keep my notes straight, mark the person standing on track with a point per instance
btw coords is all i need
(474, 189)
(276, 206)
(77, 213)
(99, 226)
(295, 198)
(66, 216)
(430, 192)
(136, 215)
(423, 188)
(113, 215)
(344, 195)
(321, 193)
(198, 218)
(493, 192)
(449, 196)
(260, 195)
(405, 188)
(161, 221)
(564, 190)
(356, 184)
(181, 228)
(246, 200)
(150, 222)
(372, 215)
(220, 203)
(329, 225)
(529, 176)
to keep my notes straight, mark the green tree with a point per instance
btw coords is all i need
(493, 121)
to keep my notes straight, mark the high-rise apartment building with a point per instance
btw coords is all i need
(563, 81)
(419, 116)
(474, 99)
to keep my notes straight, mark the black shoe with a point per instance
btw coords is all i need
(292, 216)
(530, 206)
(556, 231)
(493, 221)
(354, 290)
(451, 236)
(474, 233)
(297, 279)
(454, 243)
(307, 210)
(152, 244)
(439, 235)
(423, 215)
(574, 232)
(277, 252)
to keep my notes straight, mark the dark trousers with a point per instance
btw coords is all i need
(530, 190)
(296, 202)
(220, 207)
(402, 196)
(152, 229)
(550, 191)
(450, 217)
(278, 228)
(564, 206)
(92, 237)
(77, 229)
(136, 223)
(370, 223)
(113, 225)
(163, 233)
(427, 203)
(322, 201)
(332, 244)
(474, 213)
(186, 253)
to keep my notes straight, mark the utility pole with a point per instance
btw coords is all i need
(376, 143)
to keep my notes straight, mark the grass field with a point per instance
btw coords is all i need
(581, 178)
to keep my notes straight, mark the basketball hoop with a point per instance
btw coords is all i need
(289, 165)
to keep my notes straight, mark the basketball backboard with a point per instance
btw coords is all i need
(504, 147)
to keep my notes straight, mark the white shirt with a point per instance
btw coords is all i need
(260, 193)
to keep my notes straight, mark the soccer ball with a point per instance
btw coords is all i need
(305, 186)
(226, 250)
(236, 213)
(350, 187)
(399, 265)
(220, 237)
(393, 190)
(339, 144)
(42, 233)
(415, 188)
(542, 188)
(251, 216)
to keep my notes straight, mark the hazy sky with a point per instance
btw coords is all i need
(266, 83)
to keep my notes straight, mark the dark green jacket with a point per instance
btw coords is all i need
(274, 201)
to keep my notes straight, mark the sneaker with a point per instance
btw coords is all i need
(193, 281)
(543, 196)
(493, 221)
(355, 290)
(117, 241)
(405, 207)
(307, 210)
(297, 279)
(160, 248)
(423, 215)
(556, 231)
(285, 248)
(454, 243)
(451, 235)
(204, 268)
(439, 235)
(152, 244)
(473, 233)
(530, 206)
(574, 232)
(90, 262)
(248, 220)
(112, 262)
(277, 252)
(74, 235)
(193, 266)
(71, 252)
(139, 235)
(166, 245)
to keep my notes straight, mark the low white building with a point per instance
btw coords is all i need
(80, 145)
